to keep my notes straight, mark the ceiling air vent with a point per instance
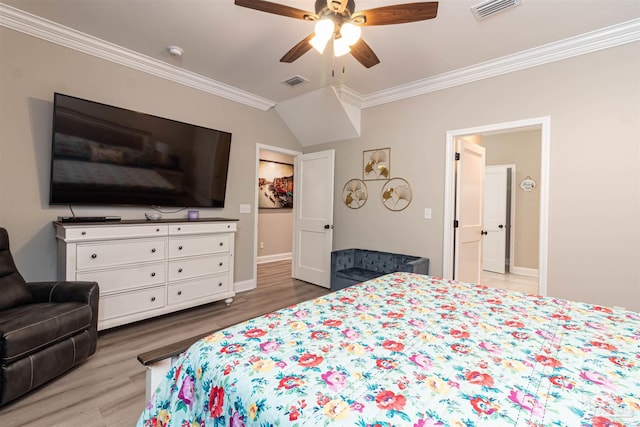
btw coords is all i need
(295, 80)
(485, 9)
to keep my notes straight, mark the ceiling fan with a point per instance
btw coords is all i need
(338, 20)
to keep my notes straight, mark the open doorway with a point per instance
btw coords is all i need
(273, 238)
(540, 125)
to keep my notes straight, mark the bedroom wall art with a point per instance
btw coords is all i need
(376, 164)
(396, 194)
(275, 185)
(355, 193)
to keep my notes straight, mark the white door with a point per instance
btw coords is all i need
(495, 219)
(469, 212)
(313, 222)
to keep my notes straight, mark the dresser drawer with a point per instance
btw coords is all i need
(193, 267)
(126, 303)
(198, 288)
(89, 232)
(189, 246)
(123, 278)
(201, 228)
(121, 252)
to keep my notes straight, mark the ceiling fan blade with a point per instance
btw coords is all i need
(364, 54)
(298, 50)
(277, 9)
(397, 14)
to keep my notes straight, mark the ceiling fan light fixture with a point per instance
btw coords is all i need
(340, 47)
(350, 33)
(324, 30)
(318, 43)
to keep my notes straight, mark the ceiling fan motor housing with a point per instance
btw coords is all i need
(334, 5)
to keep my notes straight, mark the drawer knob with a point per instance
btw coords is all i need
(153, 299)
(220, 284)
(153, 251)
(84, 233)
(179, 270)
(221, 243)
(179, 292)
(220, 264)
(180, 247)
(179, 228)
(94, 256)
(153, 274)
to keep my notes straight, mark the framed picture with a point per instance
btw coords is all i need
(275, 185)
(355, 194)
(396, 194)
(376, 164)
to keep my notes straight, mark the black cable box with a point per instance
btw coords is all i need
(88, 218)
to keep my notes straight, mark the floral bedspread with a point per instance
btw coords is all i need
(412, 350)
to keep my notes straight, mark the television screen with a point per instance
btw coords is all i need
(105, 155)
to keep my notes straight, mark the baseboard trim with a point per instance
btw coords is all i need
(524, 271)
(275, 257)
(245, 285)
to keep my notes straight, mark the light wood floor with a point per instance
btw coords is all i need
(510, 281)
(108, 389)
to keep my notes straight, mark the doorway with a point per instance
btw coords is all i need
(543, 125)
(272, 225)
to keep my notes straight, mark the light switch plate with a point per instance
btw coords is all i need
(427, 213)
(245, 208)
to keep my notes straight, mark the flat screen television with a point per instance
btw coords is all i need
(104, 155)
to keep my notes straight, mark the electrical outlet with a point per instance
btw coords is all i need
(245, 208)
(427, 213)
(261, 245)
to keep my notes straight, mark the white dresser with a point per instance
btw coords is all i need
(145, 268)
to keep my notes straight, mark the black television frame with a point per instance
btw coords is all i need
(184, 165)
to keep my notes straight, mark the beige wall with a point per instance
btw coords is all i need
(31, 70)
(523, 150)
(594, 208)
(594, 203)
(275, 226)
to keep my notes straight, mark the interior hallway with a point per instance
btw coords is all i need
(510, 281)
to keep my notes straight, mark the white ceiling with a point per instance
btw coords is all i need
(241, 47)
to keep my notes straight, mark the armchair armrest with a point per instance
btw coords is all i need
(64, 291)
(84, 292)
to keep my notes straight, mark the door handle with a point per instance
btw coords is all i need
(501, 226)
(484, 233)
(328, 227)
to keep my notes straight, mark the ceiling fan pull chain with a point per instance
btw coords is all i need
(333, 65)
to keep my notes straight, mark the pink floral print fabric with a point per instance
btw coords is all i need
(411, 350)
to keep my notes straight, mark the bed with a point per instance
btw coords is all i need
(411, 350)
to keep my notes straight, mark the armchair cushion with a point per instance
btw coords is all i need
(27, 329)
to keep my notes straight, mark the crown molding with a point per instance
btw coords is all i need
(44, 29)
(604, 38)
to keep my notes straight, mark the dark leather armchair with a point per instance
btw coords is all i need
(46, 328)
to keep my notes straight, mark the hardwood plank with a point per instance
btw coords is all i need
(108, 389)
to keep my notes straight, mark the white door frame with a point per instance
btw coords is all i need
(542, 123)
(263, 147)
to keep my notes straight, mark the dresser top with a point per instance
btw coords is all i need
(143, 221)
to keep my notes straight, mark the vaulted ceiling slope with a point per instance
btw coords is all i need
(234, 52)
